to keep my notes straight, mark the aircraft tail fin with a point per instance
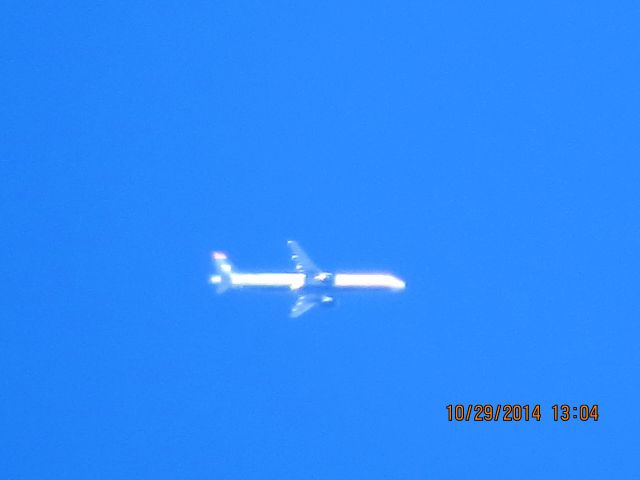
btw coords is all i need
(224, 269)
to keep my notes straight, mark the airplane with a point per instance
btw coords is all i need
(312, 285)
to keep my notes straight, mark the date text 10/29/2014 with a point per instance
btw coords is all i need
(520, 412)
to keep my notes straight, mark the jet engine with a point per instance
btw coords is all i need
(327, 301)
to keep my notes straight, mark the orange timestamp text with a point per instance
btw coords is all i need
(519, 412)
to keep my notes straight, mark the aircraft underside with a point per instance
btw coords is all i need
(313, 286)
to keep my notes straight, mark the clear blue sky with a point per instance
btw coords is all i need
(486, 153)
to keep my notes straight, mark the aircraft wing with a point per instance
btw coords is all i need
(303, 304)
(303, 263)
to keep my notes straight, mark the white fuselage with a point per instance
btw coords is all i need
(311, 285)
(296, 281)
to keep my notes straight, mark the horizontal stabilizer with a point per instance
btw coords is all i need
(224, 269)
